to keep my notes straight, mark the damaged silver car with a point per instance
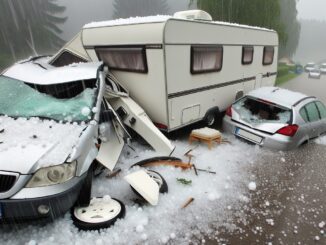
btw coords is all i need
(57, 124)
(276, 118)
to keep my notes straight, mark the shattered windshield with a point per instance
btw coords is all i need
(258, 111)
(61, 102)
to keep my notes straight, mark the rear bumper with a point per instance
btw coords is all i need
(27, 210)
(272, 141)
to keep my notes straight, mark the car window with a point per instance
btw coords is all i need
(322, 109)
(313, 114)
(254, 110)
(18, 99)
(304, 115)
(67, 58)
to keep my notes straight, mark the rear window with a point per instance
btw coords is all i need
(67, 58)
(253, 110)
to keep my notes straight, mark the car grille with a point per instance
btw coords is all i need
(6, 182)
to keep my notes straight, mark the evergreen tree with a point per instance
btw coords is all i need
(261, 13)
(292, 27)
(29, 28)
(127, 8)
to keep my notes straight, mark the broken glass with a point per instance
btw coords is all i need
(18, 99)
(259, 111)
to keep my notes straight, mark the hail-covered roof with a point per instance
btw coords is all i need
(160, 18)
(278, 96)
(38, 72)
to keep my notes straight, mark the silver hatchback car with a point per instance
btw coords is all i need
(276, 118)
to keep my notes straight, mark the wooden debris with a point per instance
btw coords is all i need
(186, 204)
(177, 164)
(206, 135)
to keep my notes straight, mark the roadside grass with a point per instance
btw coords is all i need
(284, 74)
(285, 78)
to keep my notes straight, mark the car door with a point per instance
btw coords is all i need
(322, 113)
(314, 119)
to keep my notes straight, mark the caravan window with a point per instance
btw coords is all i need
(247, 55)
(268, 55)
(67, 58)
(124, 58)
(206, 58)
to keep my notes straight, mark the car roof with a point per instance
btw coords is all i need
(40, 72)
(279, 96)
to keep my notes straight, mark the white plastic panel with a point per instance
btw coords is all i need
(144, 185)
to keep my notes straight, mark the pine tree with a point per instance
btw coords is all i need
(29, 28)
(289, 15)
(261, 13)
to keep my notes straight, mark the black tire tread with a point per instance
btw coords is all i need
(81, 225)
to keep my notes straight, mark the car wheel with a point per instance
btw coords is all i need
(84, 196)
(99, 214)
(163, 186)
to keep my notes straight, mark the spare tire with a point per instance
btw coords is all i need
(99, 214)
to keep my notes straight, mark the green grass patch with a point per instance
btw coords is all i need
(285, 78)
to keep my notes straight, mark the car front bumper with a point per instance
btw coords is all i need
(40, 209)
(272, 141)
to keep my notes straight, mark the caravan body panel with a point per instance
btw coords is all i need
(207, 90)
(170, 93)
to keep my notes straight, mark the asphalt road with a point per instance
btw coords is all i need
(309, 86)
(289, 206)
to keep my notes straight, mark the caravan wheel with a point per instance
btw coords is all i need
(99, 214)
(210, 119)
(213, 117)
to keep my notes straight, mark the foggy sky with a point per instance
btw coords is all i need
(81, 12)
(312, 9)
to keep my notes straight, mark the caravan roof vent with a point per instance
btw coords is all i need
(193, 15)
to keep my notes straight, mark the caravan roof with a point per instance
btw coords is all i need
(164, 29)
(161, 18)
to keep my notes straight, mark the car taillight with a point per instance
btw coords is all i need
(229, 111)
(289, 130)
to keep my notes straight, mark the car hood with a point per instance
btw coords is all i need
(27, 145)
(265, 126)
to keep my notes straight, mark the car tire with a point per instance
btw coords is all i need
(98, 215)
(84, 196)
(163, 186)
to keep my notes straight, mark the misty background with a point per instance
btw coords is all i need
(41, 27)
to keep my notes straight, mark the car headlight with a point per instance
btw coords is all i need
(52, 175)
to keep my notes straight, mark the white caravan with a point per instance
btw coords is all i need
(179, 69)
